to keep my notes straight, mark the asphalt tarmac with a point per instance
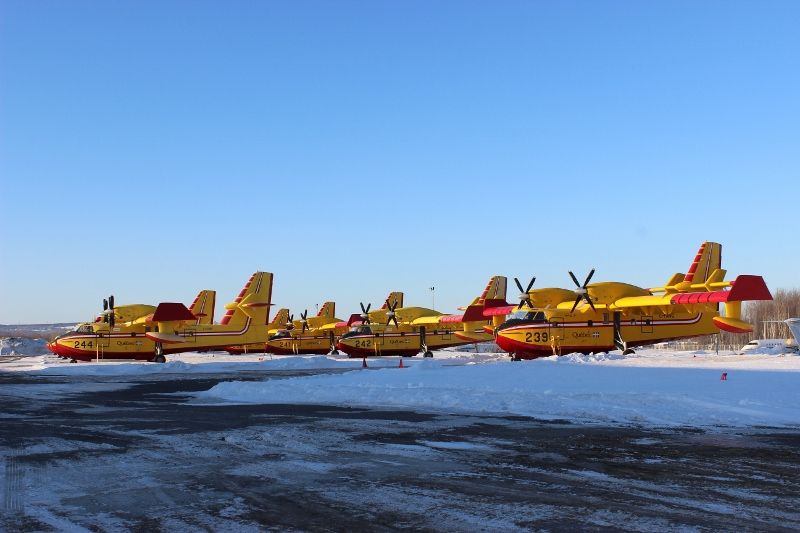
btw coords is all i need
(120, 454)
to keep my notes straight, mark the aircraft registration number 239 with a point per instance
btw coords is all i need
(536, 336)
(83, 344)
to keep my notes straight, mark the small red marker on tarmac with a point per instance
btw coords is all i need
(724, 376)
(401, 362)
(364, 363)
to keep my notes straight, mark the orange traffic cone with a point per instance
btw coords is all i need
(724, 376)
(401, 362)
(364, 363)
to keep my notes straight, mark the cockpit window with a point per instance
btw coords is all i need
(536, 316)
(83, 328)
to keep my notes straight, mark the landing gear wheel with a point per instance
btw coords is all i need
(73, 360)
(159, 355)
(628, 352)
(514, 357)
(333, 352)
(427, 354)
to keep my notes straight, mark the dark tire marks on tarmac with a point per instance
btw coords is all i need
(138, 455)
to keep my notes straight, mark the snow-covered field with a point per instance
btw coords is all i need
(651, 387)
(22, 346)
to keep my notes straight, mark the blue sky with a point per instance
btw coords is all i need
(151, 149)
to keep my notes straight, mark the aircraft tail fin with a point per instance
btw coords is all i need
(493, 295)
(392, 298)
(707, 260)
(203, 306)
(280, 319)
(252, 303)
(328, 310)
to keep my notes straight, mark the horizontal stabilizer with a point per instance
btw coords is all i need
(744, 288)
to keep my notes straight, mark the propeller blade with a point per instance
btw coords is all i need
(362, 307)
(521, 303)
(305, 326)
(589, 300)
(394, 319)
(105, 304)
(533, 280)
(368, 306)
(578, 299)
(519, 285)
(574, 279)
(588, 278)
(111, 302)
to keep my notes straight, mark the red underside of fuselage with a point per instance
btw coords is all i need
(526, 351)
(85, 355)
(284, 351)
(358, 353)
(241, 351)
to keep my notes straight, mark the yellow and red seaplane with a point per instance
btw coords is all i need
(407, 331)
(308, 335)
(146, 332)
(599, 317)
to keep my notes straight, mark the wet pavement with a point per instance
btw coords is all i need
(118, 454)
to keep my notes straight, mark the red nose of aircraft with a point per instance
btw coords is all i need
(53, 347)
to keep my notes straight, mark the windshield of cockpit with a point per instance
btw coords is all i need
(83, 328)
(280, 335)
(536, 316)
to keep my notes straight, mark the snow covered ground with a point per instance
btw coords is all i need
(651, 387)
(22, 346)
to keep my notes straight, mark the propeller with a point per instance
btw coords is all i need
(524, 297)
(290, 323)
(111, 318)
(582, 293)
(390, 315)
(304, 320)
(365, 313)
(105, 310)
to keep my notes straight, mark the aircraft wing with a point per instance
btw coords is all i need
(427, 320)
(500, 310)
(169, 312)
(743, 288)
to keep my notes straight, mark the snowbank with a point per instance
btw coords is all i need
(22, 346)
(573, 387)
